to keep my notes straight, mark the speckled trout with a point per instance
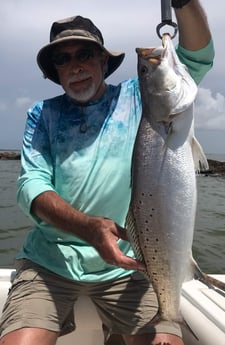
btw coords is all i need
(161, 217)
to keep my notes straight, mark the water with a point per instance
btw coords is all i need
(13, 224)
(209, 237)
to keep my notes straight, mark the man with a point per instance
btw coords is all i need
(75, 186)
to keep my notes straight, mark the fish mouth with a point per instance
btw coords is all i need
(154, 55)
(150, 55)
(155, 60)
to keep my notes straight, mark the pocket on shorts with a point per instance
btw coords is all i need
(28, 275)
(24, 272)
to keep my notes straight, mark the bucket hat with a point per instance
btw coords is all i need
(74, 28)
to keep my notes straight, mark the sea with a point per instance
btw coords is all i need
(209, 234)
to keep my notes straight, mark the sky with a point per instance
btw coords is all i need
(25, 26)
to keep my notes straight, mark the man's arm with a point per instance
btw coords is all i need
(194, 32)
(101, 233)
(195, 48)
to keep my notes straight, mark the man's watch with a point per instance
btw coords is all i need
(179, 3)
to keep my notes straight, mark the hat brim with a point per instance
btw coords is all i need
(46, 65)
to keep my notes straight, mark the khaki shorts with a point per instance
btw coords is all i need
(42, 299)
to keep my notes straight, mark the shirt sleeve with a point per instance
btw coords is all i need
(36, 174)
(198, 62)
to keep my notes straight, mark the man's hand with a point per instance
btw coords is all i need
(103, 234)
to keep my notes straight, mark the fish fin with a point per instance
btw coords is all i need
(211, 282)
(206, 279)
(132, 235)
(134, 239)
(168, 137)
(200, 160)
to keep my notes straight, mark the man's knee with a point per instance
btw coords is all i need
(28, 336)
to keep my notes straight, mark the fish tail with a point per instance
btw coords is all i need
(200, 160)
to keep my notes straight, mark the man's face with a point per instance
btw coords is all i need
(81, 69)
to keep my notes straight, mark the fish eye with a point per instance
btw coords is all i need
(144, 69)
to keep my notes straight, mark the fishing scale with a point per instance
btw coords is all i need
(166, 18)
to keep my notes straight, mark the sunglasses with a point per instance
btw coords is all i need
(82, 55)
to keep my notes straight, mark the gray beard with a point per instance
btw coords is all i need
(85, 95)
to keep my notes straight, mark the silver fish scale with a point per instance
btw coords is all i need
(160, 221)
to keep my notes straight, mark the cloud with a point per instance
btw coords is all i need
(209, 110)
(3, 106)
(22, 102)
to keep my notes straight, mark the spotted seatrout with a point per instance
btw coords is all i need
(161, 216)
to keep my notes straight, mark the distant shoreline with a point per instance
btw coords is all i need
(215, 166)
(10, 155)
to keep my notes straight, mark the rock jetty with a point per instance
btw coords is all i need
(10, 155)
(215, 167)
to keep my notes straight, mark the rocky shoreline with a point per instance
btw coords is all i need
(215, 167)
(10, 155)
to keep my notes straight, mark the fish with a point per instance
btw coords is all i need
(166, 156)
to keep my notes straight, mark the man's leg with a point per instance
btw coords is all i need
(127, 306)
(39, 306)
(29, 336)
